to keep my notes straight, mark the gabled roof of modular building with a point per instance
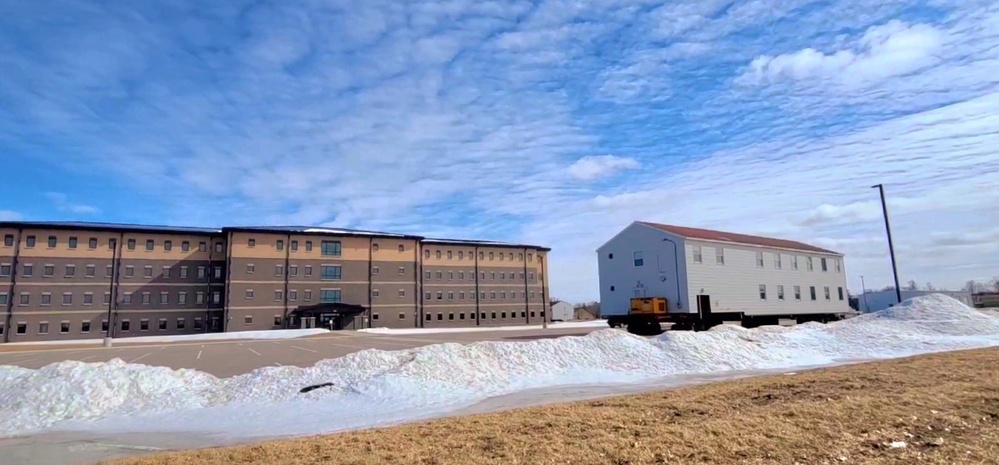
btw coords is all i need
(433, 240)
(322, 231)
(736, 238)
(113, 227)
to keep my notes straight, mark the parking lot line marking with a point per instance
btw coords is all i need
(140, 357)
(24, 361)
(303, 348)
(199, 355)
(278, 364)
(251, 350)
(84, 359)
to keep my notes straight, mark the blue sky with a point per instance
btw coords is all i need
(551, 121)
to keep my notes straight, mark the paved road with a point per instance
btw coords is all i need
(228, 358)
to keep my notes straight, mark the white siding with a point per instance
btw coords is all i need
(620, 279)
(735, 285)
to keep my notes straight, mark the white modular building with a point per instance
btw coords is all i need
(563, 311)
(701, 270)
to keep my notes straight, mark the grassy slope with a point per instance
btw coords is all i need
(945, 407)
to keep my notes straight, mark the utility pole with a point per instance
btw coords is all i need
(891, 246)
(864, 286)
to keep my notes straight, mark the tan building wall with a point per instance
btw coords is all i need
(67, 281)
(160, 283)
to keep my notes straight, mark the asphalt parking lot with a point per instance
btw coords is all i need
(229, 358)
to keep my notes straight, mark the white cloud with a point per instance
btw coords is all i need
(64, 204)
(887, 50)
(601, 166)
(8, 215)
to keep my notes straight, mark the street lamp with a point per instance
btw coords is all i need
(891, 247)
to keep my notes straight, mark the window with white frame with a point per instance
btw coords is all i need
(698, 257)
(639, 260)
(759, 259)
(720, 255)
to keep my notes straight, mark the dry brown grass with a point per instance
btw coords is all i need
(945, 407)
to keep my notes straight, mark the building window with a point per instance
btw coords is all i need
(91, 271)
(6, 269)
(780, 292)
(146, 298)
(183, 272)
(53, 241)
(292, 295)
(43, 327)
(8, 240)
(840, 290)
(639, 260)
(279, 270)
(250, 268)
(126, 298)
(185, 246)
(150, 244)
(826, 292)
(201, 272)
(125, 325)
(374, 247)
(202, 246)
(777, 261)
(402, 270)
(46, 299)
(131, 244)
(823, 264)
(92, 243)
(437, 253)
(329, 295)
(88, 298)
(280, 245)
(839, 266)
(450, 295)
(809, 264)
(759, 259)
(293, 270)
(811, 290)
(67, 298)
(218, 247)
(26, 270)
(181, 323)
(218, 272)
(331, 272)
(165, 272)
(763, 292)
(249, 294)
(426, 253)
(402, 247)
(85, 327)
(307, 295)
(48, 271)
(278, 296)
(3, 298)
(277, 320)
(402, 293)
(22, 328)
(332, 248)
(107, 298)
(251, 242)
(294, 246)
(375, 270)
(167, 246)
(199, 324)
(182, 298)
(108, 271)
(70, 271)
(148, 271)
(794, 262)
(450, 255)
(698, 257)
(30, 242)
(308, 270)
(72, 242)
(720, 255)
(308, 246)
(143, 325)
(164, 298)
(440, 295)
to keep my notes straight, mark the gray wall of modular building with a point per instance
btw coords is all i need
(64, 283)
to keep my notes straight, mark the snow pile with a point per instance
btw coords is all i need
(555, 325)
(373, 385)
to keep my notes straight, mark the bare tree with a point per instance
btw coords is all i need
(912, 285)
(995, 284)
(971, 286)
(929, 287)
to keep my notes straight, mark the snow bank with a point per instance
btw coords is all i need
(373, 386)
(235, 335)
(558, 325)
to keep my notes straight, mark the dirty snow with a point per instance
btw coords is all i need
(374, 387)
(239, 335)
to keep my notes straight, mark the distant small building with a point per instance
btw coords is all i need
(563, 311)
(985, 300)
(880, 300)
(584, 314)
